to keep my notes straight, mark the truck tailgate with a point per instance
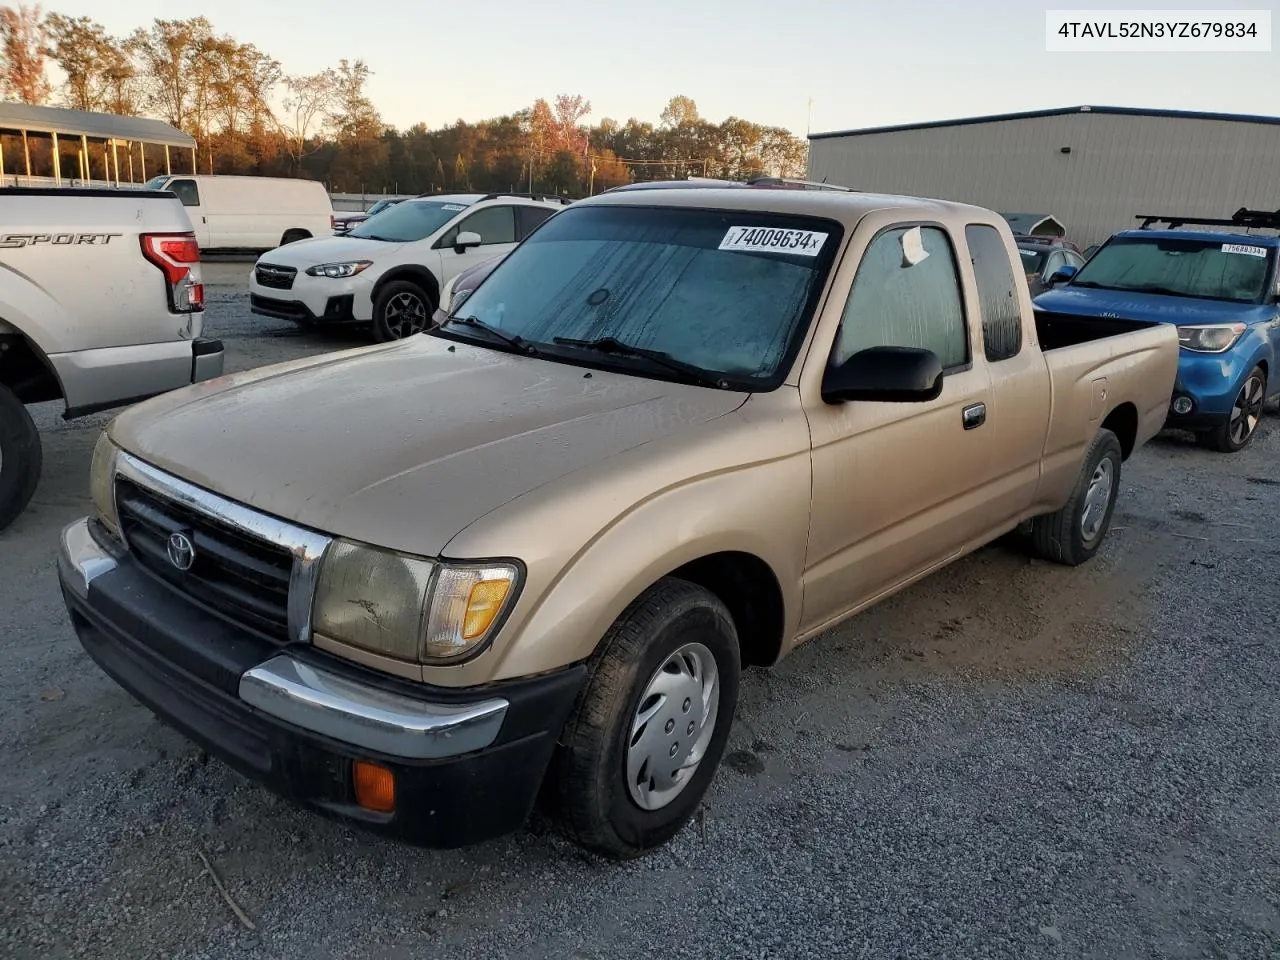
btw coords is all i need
(1098, 365)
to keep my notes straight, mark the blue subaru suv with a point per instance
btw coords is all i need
(1222, 290)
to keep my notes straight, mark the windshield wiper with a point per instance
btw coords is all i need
(518, 342)
(372, 236)
(615, 346)
(1090, 283)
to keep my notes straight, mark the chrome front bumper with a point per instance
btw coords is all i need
(315, 699)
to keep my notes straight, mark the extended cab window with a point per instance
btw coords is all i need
(896, 302)
(186, 191)
(494, 224)
(725, 293)
(1180, 267)
(997, 292)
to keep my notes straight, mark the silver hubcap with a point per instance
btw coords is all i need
(673, 726)
(1248, 408)
(1096, 499)
(406, 315)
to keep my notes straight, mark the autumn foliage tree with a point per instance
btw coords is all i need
(249, 116)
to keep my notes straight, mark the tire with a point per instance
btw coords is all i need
(292, 236)
(673, 622)
(394, 314)
(1073, 535)
(1239, 426)
(20, 457)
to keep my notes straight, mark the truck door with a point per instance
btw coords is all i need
(899, 487)
(188, 191)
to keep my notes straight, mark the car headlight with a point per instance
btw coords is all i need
(102, 476)
(1211, 337)
(338, 271)
(410, 608)
(446, 293)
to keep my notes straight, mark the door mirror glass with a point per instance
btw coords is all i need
(466, 240)
(1063, 274)
(885, 374)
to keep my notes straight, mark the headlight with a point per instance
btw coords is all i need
(1211, 337)
(102, 476)
(446, 294)
(407, 607)
(337, 271)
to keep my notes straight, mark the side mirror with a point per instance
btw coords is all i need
(459, 297)
(466, 240)
(885, 374)
(1062, 275)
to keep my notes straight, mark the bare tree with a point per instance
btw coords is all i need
(307, 106)
(22, 40)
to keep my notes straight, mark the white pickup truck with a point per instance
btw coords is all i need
(101, 305)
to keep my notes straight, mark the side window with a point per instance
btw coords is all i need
(494, 224)
(186, 191)
(531, 218)
(997, 293)
(900, 299)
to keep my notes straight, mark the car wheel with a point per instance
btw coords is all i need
(1073, 534)
(20, 457)
(1238, 427)
(651, 724)
(401, 310)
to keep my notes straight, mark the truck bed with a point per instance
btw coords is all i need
(1058, 330)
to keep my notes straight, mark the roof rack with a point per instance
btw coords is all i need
(549, 197)
(789, 183)
(1243, 218)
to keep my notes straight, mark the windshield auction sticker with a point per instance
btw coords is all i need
(803, 243)
(1246, 248)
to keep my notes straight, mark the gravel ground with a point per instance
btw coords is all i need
(1009, 760)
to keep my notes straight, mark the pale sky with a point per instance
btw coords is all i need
(868, 64)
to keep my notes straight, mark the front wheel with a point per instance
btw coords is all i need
(1073, 534)
(20, 457)
(651, 724)
(401, 310)
(1238, 427)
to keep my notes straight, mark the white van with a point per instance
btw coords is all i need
(242, 214)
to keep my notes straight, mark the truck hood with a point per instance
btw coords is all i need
(307, 253)
(1086, 302)
(404, 447)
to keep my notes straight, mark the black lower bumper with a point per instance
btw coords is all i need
(184, 663)
(336, 309)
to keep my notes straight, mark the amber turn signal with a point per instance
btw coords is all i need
(375, 786)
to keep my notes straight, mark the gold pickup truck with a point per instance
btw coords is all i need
(418, 586)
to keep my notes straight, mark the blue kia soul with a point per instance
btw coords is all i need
(1220, 288)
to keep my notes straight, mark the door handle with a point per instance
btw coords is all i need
(974, 415)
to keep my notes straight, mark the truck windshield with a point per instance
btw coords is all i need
(1197, 268)
(408, 221)
(1032, 260)
(727, 294)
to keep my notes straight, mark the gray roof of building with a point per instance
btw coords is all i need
(101, 126)
(1055, 112)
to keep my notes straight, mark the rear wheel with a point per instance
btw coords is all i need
(1238, 427)
(646, 736)
(1073, 534)
(401, 310)
(20, 457)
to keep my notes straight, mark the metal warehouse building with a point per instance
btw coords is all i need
(1092, 168)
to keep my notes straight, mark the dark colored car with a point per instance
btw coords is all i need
(464, 282)
(1044, 257)
(342, 223)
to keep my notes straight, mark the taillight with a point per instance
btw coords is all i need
(178, 257)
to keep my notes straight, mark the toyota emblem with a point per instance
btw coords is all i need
(182, 552)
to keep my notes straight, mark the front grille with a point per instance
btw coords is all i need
(235, 574)
(278, 278)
